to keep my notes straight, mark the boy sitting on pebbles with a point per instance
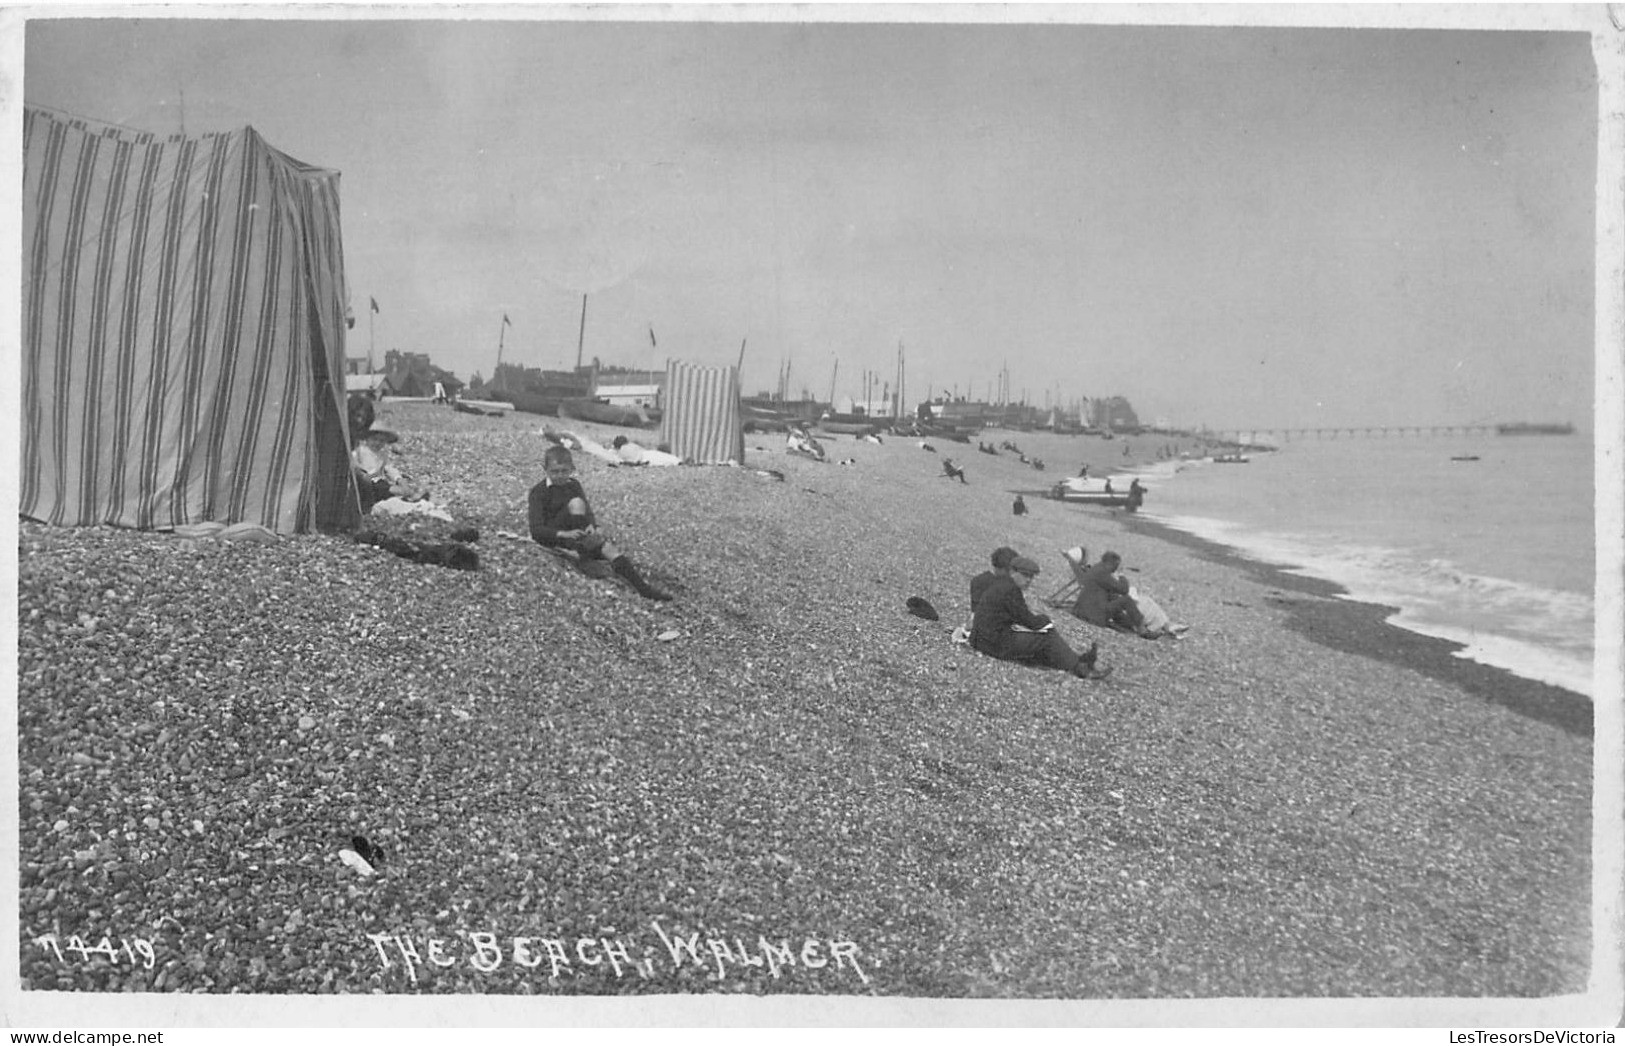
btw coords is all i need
(1002, 607)
(561, 518)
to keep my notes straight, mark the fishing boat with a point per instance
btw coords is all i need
(761, 419)
(471, 406)
(1080, 491)
(848, 424)
(603, 412)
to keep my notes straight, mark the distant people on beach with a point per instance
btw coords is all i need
(1136, 496)
(561, 518)
(1003, 626)
(1019, 507)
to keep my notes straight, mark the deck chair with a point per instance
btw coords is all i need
(1077, 560)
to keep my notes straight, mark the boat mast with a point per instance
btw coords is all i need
(581, 339)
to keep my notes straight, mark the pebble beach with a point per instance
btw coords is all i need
(781, 782)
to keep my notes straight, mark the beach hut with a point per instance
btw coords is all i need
(183, 331)
(701, 420)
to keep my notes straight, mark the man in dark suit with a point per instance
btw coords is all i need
(1103, 597)
(1004, 627)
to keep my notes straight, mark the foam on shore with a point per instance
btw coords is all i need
(1539, 634)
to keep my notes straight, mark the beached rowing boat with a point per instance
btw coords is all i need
(494, 407)
(848, 424)
(595, 410)
(1080, 491)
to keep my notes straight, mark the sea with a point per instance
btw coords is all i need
(1497, 554)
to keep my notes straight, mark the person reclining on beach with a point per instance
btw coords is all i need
(636, 454)
(799, 441)
(952, 471)
(561, 518)
(1104, 600)
(1157, 622)
(1001, 615)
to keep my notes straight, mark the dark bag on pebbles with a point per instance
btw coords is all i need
(922, 608)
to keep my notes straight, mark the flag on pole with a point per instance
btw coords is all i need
(505, 321)
(374, 304)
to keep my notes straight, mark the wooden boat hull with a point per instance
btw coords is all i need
(760, 419)
(847, 428)
(1104, 500)
(603, 413)
(496, 407)
(532, 402)
(1068, 491)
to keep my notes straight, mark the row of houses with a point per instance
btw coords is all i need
(413, 374)
(404, 374)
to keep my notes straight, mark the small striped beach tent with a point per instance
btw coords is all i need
(182, 333)
(700, 419)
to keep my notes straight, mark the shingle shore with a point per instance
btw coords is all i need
(1243, 813)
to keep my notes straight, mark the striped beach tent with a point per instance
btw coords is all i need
(700, 419)
(182, 332)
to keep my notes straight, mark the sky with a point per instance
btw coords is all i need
(1230, 226)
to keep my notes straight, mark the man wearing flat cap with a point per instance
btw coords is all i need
(1003, 606)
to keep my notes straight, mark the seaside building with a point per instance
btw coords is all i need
(412, 374)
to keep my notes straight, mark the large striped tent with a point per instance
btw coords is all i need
(183, 331)
(700, 419)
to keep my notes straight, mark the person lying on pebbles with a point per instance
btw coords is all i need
(561, 518)
(1003, 607)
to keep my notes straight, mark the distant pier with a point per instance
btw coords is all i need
(1348, 432)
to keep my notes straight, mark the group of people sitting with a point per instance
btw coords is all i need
(1003, 626)
(1107, 598)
